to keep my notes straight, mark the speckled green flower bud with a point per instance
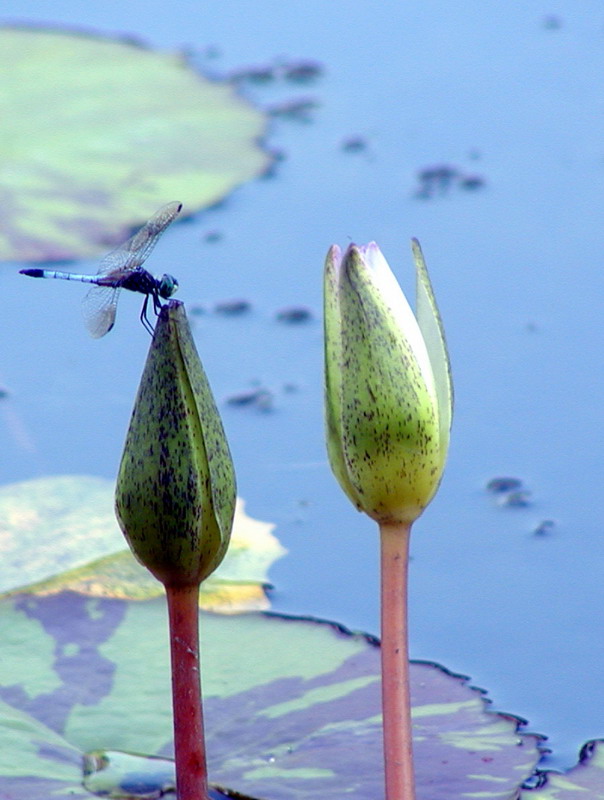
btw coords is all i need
(388, 391)
(175, 495)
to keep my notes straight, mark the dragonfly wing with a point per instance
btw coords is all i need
(99, 307)
(133, 253)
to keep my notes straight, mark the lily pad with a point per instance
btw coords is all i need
(98, 133)
(586, 779)
(61, 533)
(292, 706)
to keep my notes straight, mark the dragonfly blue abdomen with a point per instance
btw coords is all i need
(55, 273)
(122, 269)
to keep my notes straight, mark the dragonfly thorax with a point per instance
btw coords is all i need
(167, 286)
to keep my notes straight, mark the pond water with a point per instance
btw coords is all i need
(510, 95)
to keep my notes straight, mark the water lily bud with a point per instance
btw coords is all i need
(175, 495)
(388, 391)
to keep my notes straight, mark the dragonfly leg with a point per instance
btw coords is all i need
(143, 317)
(157, 304)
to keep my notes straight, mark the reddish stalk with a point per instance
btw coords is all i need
(396, 701)
(189, 743)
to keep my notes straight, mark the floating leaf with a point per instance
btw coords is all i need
(61, 533)
(292, 706)
(98, 133)
(586, 779)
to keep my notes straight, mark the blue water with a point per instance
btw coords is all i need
(510, 92)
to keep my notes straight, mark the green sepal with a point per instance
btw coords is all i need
(175, 494)
(433, 332)
(333, 375)
(387, 436)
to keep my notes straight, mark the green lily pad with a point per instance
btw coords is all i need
(586, 779)
(292, 706)
(98, 133)
(61, 533)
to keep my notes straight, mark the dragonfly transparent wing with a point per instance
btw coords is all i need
(99, 307)
(133, 253)
(100, 303)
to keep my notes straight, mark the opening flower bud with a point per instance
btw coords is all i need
(388, 391)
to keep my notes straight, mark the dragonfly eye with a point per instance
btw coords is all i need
(167, 286)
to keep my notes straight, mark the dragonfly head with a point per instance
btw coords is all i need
(167, 286)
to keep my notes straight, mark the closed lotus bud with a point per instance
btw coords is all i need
(388, 391)
(175, 496)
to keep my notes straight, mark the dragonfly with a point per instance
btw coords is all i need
(123, 269)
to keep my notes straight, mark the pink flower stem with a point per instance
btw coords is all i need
(189, 743)
(396, 701)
